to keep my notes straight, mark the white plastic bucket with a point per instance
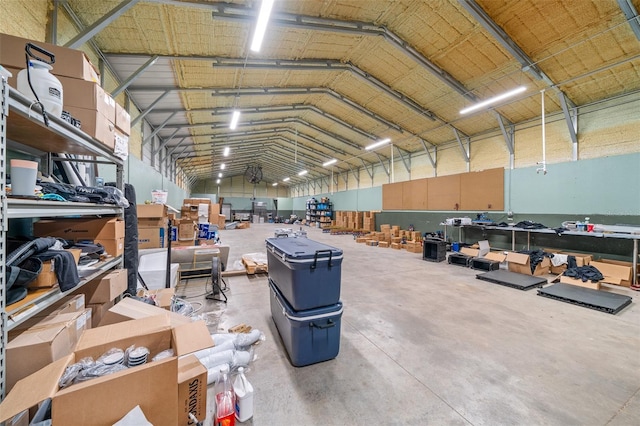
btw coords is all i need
(23, 177)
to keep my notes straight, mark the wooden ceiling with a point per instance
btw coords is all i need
(335, 76)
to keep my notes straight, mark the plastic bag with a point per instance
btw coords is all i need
(167, 353)
(244, 340)
(72, 371)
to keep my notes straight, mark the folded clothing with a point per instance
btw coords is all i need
(584, 273)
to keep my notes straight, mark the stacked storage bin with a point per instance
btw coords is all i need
(304, 281)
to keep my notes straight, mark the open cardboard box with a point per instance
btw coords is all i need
(580, 283)
(614, 273)
(130, 309)
(521, 263)
(105, 400)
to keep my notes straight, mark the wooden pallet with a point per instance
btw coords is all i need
(253, 267)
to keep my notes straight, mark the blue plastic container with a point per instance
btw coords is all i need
(306, 272)
(309, 336)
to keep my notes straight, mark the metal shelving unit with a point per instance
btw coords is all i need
(22, 123)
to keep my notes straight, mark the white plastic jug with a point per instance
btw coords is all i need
(244, 397)
(46, 86)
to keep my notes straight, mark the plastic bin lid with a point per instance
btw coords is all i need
(300, 248)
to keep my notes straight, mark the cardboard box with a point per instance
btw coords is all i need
(222, 219)
(520, 263)
(47, 277)
(151, 238)
(112, 247)
(581, 258)
(69, 62)
(186, 229)
(88, 95)
(105, 288)
(130, 309)
(192, 390)
(80, 229)
(152, 386)
(97, 312)
(94, 124)
(47, 340)
(579, 283)
(66, 305)
(152, 211)
(558, 270)
(383, 244)
(162, 296)
(243, 225)
(123, 120)
(469, 251)
(614, 274)
(495, 256)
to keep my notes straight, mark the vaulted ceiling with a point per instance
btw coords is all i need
(335, 76)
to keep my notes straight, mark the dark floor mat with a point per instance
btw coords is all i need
(611, 303)
(512, 279)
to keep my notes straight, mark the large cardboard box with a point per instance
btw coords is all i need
(192, 390)
(581, 258)
(106, 288)
(47, 277)
(614, 274)
(162, 296)
(68, 304)
(152, 238)
(129, 309)
(580, 283)
(88, 95)
(105, 400)
(520, 263)
(95, 125)
(97, 312)
(45, 341)
(123, 120)
(152, 215)
(69, 62)
(106, 231)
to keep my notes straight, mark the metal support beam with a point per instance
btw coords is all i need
(144, 113)
(157, 129)
(53, 29)
(631, 14)
(508, 135)
(571, 118)
(173, 148)
(426, 149)
(387, 171)
(405, 161)
(133, 76)
(355, 175)
(165, 142)
(465, 154)
(370, 173)
(100, 24)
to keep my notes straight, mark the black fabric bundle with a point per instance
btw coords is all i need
(535, 257)
(584, 273)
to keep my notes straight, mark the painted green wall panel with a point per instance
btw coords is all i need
(606, 185)
(145, 179)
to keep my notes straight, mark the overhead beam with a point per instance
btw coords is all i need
(631, 14)
(100, 24)
(134, 76)
(165, 142)
(370, 173)
(355, 175)
(157, 129)
(388, 172)
(144, 113)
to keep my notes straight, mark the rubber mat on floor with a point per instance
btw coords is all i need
(611, 303)
(512, 279)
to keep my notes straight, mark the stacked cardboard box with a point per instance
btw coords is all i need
(109, 232)
(521, 263)
(152, 225)
(100, 293)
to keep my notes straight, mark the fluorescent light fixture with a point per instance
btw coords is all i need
(302, 173)
(286, 179)
(377, 144)
(234, 120)
(222, 166)
(261, 25)
(218, 181)
(274, 184)
(226, 151)
(493, 100)
(219, 175)
(330, 162)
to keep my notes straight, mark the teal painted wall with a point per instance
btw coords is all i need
(353, 200)
(606, 185)
(145, 179)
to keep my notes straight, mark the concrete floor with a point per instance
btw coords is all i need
(427, 343)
